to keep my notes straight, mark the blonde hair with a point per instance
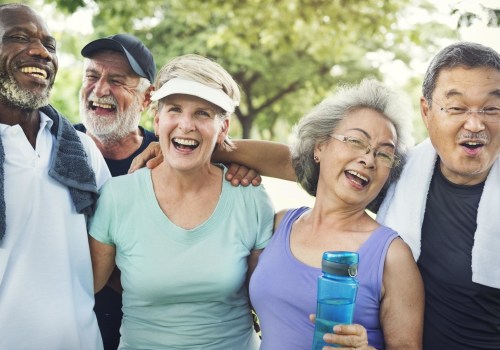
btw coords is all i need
(205, 71)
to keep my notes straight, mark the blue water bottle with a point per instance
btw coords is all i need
(337, 289)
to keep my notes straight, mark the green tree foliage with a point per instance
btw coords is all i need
(286, 55)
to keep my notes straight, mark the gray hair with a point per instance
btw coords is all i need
(317, 126)
(463, 54)
(202, 70)
(141, 88)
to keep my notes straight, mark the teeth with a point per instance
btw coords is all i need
(34, 70)
(102, 105)
(473, 143)
(355, 173)
(186, 142)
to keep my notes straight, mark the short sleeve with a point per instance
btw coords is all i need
(265, 216)
(102, 222)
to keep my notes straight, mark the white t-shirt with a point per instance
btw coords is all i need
(46, 283)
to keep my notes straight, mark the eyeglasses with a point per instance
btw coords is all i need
(385, 158)
(461, 113)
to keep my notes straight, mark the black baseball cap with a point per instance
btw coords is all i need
(138, 56)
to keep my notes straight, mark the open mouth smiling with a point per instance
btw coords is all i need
(185, 143)
(106, 106)
(356, 177)
(472, 144)
(35, 71)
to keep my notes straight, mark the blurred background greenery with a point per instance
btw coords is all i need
(286, 55)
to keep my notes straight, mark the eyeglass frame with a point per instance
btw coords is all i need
(467, 112)
(344, 139)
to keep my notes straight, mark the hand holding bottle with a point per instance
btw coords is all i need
(352, 336)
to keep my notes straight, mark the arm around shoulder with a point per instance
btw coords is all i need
(266, 157)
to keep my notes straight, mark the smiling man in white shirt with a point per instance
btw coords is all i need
(49, 180)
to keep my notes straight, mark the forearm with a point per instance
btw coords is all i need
(266, 157)
(103, 262)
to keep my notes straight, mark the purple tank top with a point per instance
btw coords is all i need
(283, 289)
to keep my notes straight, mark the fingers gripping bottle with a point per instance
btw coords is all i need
(337, 289)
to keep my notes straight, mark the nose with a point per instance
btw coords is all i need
(101, 88)
(474, 122)
(186, 122)
(39, 50)
(368, 159)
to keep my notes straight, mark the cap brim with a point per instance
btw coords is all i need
(110, 44)
(193, 88)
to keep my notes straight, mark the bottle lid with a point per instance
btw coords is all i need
(340, 263)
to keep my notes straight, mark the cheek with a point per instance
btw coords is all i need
(86, 89)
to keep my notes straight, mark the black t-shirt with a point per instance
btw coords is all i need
(459, 314)
(120, 167)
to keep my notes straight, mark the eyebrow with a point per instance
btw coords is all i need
(495, 93)
(27, 30)
(454, 92)
(111, 75)
(369, 137)
(179, 104)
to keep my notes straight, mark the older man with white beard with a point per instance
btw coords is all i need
(118, 75)
(119, 71)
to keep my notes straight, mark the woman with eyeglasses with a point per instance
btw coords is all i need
(346, 152)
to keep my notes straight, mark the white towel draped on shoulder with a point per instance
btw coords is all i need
(404, 206)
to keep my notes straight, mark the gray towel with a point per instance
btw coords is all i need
(69, 166)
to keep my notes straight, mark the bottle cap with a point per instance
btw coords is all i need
(340, 263)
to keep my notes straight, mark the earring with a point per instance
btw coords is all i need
(316, 159)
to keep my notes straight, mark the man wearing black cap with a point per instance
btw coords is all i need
(117, 83)
(118, 76)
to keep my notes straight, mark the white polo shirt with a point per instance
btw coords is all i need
(46, 283)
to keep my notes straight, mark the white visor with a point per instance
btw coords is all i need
(189, 87)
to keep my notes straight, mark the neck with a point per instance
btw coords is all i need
(28, 120)
(336, 216)
(119, 149)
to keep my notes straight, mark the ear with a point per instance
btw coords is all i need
(425, 112)
(147, 97)
(223, 132)
(317, 150)
(156, 123)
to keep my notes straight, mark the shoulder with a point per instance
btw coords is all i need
(399, 252)
(80, 127)
(148, 136)
(278, 217)
(96, 160)
(89, 146)
(126, 188)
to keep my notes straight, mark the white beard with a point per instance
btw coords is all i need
(12, 93)
(112, 128)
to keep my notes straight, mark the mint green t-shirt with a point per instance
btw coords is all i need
(183, 289)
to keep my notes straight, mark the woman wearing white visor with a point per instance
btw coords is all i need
(184, 239)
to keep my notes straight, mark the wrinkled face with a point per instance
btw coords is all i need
(28, 62)
(111, 98)
(189, 129)
(467, 147)
(349, 173)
